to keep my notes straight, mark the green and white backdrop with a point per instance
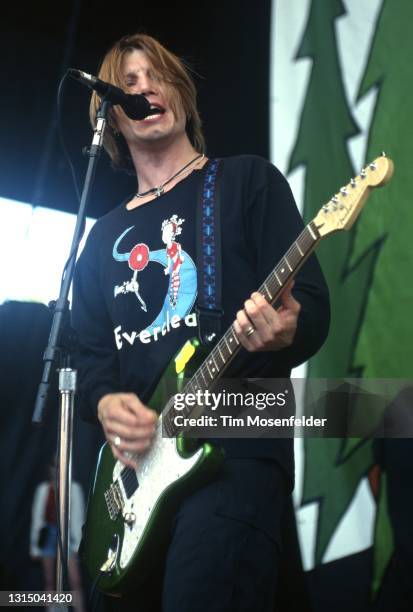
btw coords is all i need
(342, 92)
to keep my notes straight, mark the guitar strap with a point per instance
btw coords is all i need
(208, 253)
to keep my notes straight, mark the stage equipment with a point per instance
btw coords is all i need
(58, 350)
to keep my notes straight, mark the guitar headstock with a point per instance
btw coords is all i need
(343, 208)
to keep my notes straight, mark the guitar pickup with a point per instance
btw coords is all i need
(130, 481)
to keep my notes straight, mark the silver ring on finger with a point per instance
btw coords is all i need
(117, 441)
(248, 332)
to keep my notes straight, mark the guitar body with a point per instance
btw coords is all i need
(130, 512)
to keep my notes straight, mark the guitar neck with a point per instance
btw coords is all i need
(228, 346)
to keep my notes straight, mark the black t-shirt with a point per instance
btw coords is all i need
(136, 286)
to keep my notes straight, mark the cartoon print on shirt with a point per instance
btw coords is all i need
(138, 260)
(182, 286)
(170, 229)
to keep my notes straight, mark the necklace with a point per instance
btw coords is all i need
(160, 189)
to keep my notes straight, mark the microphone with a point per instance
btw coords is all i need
(135, 106)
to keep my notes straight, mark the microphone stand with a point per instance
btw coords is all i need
(56, 351)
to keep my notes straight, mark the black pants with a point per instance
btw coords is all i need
(225, 547)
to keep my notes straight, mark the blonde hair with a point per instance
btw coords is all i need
(168, 68)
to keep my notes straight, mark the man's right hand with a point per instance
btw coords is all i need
(125, 418)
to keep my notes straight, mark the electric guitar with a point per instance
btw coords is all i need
(129, 511)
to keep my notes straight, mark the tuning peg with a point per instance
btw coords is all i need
(353, 183)
(383, 154)
(363, 174)
(334, 202)
(343, 191)
(372, 166)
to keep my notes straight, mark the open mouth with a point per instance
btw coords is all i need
(154, 113)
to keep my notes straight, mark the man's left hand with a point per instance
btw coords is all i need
(260, 327)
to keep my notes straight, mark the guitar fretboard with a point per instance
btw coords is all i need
(228, 346)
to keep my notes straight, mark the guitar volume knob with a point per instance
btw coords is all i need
(129, 518)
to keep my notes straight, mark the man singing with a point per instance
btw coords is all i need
(224, 547)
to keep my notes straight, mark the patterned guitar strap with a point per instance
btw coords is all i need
(208, 252)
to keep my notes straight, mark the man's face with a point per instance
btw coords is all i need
(139, 78)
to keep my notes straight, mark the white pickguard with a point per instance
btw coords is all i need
(160, 467)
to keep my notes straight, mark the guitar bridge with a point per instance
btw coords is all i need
(114, 500)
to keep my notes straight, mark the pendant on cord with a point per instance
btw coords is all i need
(159, 191)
